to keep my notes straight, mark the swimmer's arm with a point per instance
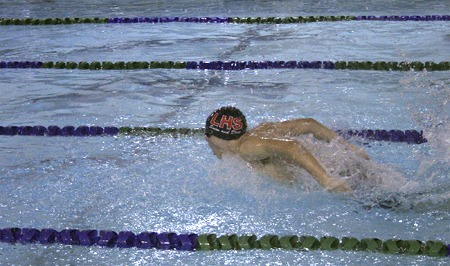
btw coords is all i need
(292, 152)
(303, 126)
(319, 131)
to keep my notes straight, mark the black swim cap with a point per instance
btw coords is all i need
(226, 123)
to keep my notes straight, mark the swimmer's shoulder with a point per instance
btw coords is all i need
(250, 147)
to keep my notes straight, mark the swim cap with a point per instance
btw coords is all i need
(226, 123)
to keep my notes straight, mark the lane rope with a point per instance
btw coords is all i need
(241, 20)
(406, 136)
(230, 65)
(195, 242)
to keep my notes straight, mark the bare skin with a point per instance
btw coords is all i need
(270, 148)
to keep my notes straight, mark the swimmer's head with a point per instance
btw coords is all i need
(227, 123)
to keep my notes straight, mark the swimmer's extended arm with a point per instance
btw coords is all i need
(303, 126)
(299, 127)
(291, 151)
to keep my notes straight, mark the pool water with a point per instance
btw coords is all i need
(175, 184)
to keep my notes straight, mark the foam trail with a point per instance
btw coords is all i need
(429, 108)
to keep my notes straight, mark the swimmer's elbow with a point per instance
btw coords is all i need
(311, 121)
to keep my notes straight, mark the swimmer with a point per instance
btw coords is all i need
(271, 148)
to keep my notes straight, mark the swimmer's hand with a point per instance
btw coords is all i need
(336, 185)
